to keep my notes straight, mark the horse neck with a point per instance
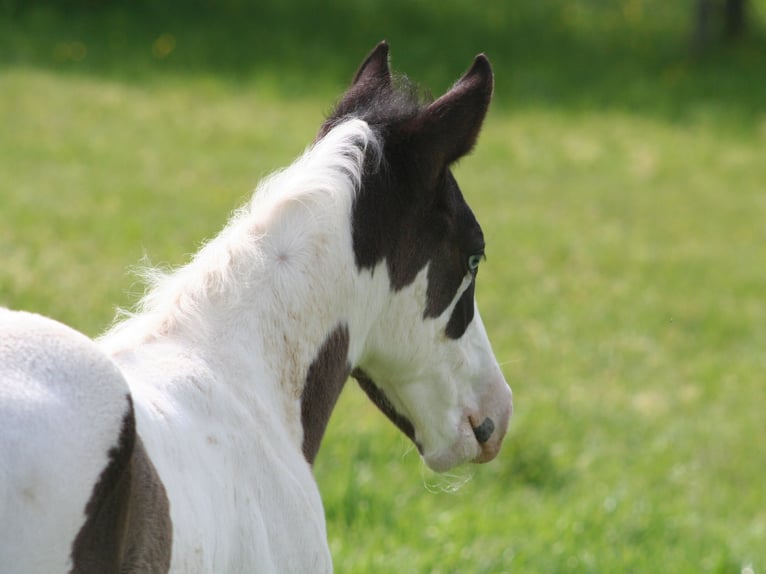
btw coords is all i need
(287, 324)
(274, 300)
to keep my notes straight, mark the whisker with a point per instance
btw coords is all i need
(444, 483)
(408, 449)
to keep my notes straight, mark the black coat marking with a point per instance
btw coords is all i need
(410, 210)
(127, 528)
(381, 401)
(324, 382)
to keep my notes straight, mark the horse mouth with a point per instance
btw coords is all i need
(488, 452)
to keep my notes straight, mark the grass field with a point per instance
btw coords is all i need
(622, 188)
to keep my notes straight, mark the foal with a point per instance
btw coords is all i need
(183, 439)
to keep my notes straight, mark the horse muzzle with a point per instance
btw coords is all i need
(489, 425)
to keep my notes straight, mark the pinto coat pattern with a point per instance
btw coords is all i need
(182, 440)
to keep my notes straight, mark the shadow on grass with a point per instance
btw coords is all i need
(631, 55)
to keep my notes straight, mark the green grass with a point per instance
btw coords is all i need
(621, 187)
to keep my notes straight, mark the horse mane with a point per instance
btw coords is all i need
(322, 182)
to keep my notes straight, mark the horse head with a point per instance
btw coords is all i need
(426, 361)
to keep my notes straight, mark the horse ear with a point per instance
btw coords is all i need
(375, 71)
(449, 127)
(372, 78)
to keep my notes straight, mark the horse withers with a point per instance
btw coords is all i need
(183, 439)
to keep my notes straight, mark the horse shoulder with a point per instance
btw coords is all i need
(242, 496)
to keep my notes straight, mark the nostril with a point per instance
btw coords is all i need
(484, 430)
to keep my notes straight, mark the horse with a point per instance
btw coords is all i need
(183, 439)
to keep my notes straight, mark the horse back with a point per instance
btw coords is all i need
(78, 492)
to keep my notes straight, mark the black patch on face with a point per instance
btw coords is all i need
(410, 210)
(381, 401)
(449, 262)
(324, 382)
(127, 527)
(408, 235)
(462, 314)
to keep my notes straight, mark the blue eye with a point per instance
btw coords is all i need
(473, 261)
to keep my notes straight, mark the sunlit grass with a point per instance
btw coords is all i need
(95, 175)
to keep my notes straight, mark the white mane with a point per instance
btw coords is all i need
(310, 194)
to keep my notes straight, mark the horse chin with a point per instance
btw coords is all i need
(461, 452)
(441, 463)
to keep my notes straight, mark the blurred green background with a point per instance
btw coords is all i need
(620, 180)
(633, 54)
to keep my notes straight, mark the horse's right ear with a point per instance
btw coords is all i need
(450, 126)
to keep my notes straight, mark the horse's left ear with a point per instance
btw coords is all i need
(371, 80)
(449, 127)
(375, 71)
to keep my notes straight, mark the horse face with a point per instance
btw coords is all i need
(427, 362)
(429, 367)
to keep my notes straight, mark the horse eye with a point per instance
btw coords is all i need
(473, 262)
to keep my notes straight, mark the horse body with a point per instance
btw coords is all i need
(206, 408)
